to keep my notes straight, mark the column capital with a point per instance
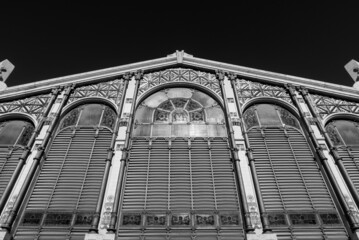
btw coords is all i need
(220, 75)
(138, 75)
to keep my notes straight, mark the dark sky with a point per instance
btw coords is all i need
(312, 40)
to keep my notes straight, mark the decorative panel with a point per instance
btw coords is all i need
(112, 90)
(246, 90)
(33, 105)
(180, 184)
(327, 105)
(66, 189)
(204, 79)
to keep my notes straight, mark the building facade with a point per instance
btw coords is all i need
(179, 148)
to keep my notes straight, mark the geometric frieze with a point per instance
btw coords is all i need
(246, 90)
(327, 105)
(112, 90)
(32, 105)
(154, 79)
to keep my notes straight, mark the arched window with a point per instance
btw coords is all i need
(344, 134)
(15, 132)
(179, 174)
(294, 191)
(179, 112)
(14, 136)
(66, 189)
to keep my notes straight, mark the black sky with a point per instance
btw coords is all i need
(312, 40)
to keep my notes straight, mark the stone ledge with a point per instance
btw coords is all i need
(96, 236)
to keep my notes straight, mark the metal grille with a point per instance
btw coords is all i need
(179, 184)
(8, 163)
(65, 193)
(292, 185)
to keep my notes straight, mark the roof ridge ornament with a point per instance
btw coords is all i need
(6, 68)
(352, 68)
(179, 55)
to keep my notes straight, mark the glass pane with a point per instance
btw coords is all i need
(179, 102)
(109, 118)
(268, 114)
(333, 134)
(11, 131)
(197, 116)
(179, 130)
(166, 106)
(198, 130)
(179, 116)
(142, 130)
(250, 118)
(161, 116)
(179, 93)
(288, 118)
(203, 99)
(144, 114)
(26, 134)
(216, 130)
(304, 218)
(91, 114)
(192, 105)
(156, 99)
(71, 118)
(214, 115)
(348, 131)
(161, 130)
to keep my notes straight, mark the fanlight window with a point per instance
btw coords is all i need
(266, 115)
(179, 112)
(15, 132)
(343, 132)
(90, 115)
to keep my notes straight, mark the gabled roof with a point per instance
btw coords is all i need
(178, 59)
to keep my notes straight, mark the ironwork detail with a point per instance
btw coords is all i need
(246, 90)
(229, 219)
(333, 135)
(112, 90)
(58, 219)
(204, 219)
(303, 218)
(33, 105)
(131, 219)
(108, 118)
(180, 220)
(26, 135)
(277, 219)
(32, 218)
(250, 118)
(288, 119)
(329, 218)
(156, 220)
(207, 80)
(197, 116)
(84, 219)
(71, 118)
(327, 105)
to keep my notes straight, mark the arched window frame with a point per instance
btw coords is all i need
(280, 110)
(335, 134)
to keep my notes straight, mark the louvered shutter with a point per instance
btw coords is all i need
(180, 178)
(65, 193)
(292, 184)
(8, 162)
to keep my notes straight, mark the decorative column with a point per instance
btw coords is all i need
(27, 152)
(36, 162)
(320, 153)
(263, 214)
(110, 154)
(235, 158)
(124, 158)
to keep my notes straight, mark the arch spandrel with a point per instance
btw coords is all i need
(33, 106)
(179, 75)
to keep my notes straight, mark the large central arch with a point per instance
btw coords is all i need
(179, 182)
